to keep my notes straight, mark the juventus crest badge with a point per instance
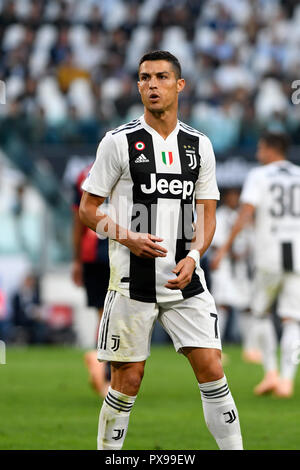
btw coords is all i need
(116, 342)
(190, 152)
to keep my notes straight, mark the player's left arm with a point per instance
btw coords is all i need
(203, 235)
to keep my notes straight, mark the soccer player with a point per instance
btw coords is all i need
(231, 282)
(154, 169)
(272, 193)
(90, 269)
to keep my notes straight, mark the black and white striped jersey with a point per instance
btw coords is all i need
(274, 190)
(152, 183)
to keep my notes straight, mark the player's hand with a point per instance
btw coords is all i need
(218, 257)
(145, 245)
(77, 273)
(184, 270)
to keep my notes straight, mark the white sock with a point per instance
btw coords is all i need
(248, 330)
(289, 345)
(268, 343)
(113, 420)
(221, 415)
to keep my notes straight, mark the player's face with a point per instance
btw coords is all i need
(263, 152)
(158, 85)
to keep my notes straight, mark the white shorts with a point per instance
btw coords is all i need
(227, 289)
(283, 287)
(126, 325)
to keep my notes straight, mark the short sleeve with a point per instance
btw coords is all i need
(252, 189)
(206, 184)
(106, 169)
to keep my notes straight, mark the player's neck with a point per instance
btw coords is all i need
(163, 123)
(277, 158)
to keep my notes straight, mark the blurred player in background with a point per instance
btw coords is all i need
(272, 193)
(91, 270)
(155, 168)
(231, 282)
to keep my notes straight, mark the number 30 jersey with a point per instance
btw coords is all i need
(274, 190)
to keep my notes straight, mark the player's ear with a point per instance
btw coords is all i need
(180, 84)
(138, 85)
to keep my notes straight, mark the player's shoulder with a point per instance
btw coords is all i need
(126, 128)
(258, 172)
(291, 168)
(283, 168)
(205, 145)
(190, 130)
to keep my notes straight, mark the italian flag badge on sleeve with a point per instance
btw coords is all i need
(167, 158)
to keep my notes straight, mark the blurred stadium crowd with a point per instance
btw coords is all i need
(69, 68)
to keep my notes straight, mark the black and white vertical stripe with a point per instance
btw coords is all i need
(106, 315)
(118, 404)
(214, 393)
(186, 218)
(142, 273)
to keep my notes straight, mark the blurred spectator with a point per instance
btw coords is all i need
(77, 130)
(250, 129)
(226, 48)
(221, 124)
(8, 14)
(29, 326)
(61, 49)
(68, 71)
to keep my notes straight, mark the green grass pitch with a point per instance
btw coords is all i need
(46, 403)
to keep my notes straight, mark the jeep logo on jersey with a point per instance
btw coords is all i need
(167, 158)
(175, 187)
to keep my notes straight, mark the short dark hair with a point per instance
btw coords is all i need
(163, 55)
(276, 140)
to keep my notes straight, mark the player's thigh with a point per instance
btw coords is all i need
(265, 289)
(125, 329)
(289, 298)
(192, 322)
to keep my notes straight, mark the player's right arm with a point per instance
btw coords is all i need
(143, 245)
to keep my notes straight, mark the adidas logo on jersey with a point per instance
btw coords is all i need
(163, 186)
(141, 159)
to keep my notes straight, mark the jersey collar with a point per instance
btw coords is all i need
(154, 132)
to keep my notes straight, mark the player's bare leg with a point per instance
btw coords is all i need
(126, 378)
(97, 370)
(268, 342)
(97, 373)
(289, 346)
(249, 331)
(219, 409)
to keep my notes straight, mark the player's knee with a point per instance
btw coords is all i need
(127, 378)
(211, 368)
(211, 372)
